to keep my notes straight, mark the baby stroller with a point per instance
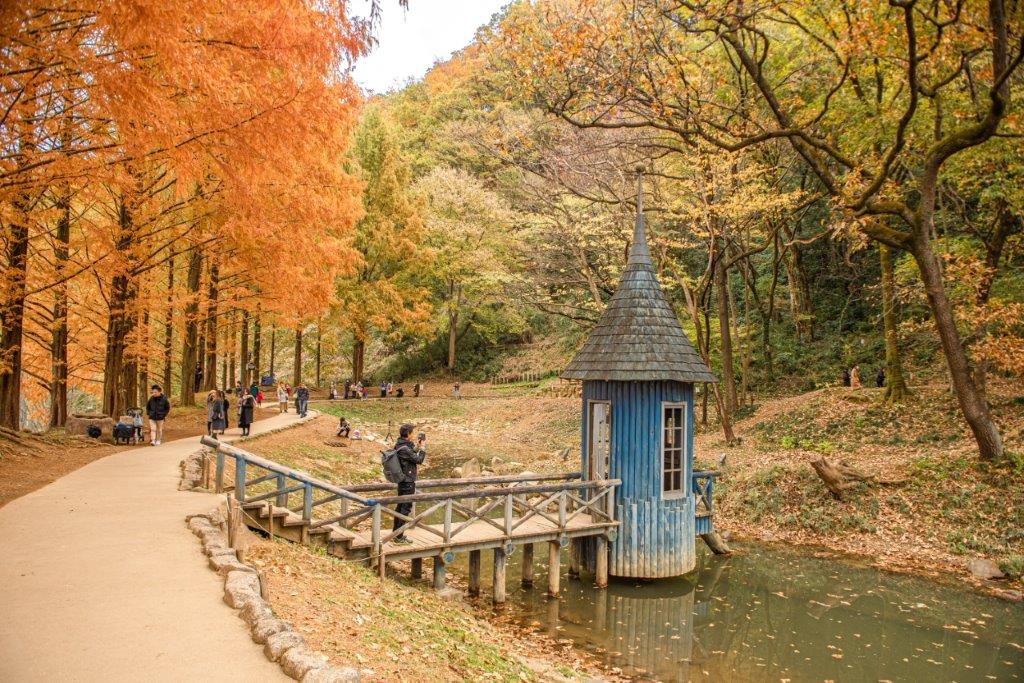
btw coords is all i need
(124, 433)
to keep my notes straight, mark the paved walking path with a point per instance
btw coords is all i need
(100, 579)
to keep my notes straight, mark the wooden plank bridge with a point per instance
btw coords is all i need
(455, 515)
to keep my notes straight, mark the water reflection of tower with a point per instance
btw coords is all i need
(649, 629)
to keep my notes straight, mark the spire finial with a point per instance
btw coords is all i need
(638, 252)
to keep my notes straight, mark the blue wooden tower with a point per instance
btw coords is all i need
(638, 371)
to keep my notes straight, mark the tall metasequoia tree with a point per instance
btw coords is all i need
(190, 342)
(169, 326)
(297, 367)
(122, 316)
(243, 354)
(210, 362)
(257, 347)
(59, 336)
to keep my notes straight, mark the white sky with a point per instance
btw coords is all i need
(409, 42)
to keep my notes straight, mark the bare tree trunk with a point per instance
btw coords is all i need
(59, 336)
(895, 385)
(319, 345)
(232, 350)
(243, 356)
(120, 321)
(358, 349)
(453, 323)
(142, 364)
(975, 410)
(725, 334)
(257, 346)
(210, 362)
(169, 326)
(297, 363)
(273, 347)
(190, 345)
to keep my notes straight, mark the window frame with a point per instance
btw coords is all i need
(684, 449)
(590, 433)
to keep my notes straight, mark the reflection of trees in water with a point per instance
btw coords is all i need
(771, 614)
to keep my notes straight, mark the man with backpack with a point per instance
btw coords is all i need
(408, 455)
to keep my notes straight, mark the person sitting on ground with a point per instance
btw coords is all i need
(344, 428)
(157, 409)
(399, 392)
(410, 455)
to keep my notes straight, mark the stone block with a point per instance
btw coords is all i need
(331, 674)
(266, 627)
(298, 661)
(279, 643)
(241, 588)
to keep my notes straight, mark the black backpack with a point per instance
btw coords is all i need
(392, 466)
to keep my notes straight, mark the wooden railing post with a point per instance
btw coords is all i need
(307, 501)
(220, 473)
(448, 521)
(282, 498)
(562, 499)
(508, 515)
(240, 479)
(375, 534)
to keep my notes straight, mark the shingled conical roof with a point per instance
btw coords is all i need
(638, 336)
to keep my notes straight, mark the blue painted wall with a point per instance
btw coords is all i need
(656, 537)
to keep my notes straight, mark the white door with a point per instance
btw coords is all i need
(600, 439)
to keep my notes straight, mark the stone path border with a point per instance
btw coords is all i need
(242, 591)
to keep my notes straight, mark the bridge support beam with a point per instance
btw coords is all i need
(474, 572)
(417, 568)
(554, 568)
(499, 575)
(439, 573)
(601, 563)
(527, 565)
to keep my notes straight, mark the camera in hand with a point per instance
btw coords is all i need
(421, 436)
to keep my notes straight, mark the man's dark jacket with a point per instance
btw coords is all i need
(157, 407)
(409, 456)
(302, 394)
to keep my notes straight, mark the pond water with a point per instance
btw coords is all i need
(778, 614)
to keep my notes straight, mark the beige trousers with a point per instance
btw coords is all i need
(156, 430)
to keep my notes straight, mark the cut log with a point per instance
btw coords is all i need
(841, 476)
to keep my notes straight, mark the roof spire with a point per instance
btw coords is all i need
(638, 252)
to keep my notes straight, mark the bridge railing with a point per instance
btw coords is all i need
(504, 503)
(703, 490)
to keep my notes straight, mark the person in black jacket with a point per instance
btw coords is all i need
(410, 455)
(157, 409)
(301, 399)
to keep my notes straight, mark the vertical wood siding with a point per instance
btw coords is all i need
(656, 537)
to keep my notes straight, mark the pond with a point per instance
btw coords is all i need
(778, 614)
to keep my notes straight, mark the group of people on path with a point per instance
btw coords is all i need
(358, 390)
(851, 377)
(218, 408)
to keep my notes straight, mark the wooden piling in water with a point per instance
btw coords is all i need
(439, 573)
(417, 568)
(575, 554)
(499, 575)
(474, 572)
(527, 565)
(554, 568)
(601, 563)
